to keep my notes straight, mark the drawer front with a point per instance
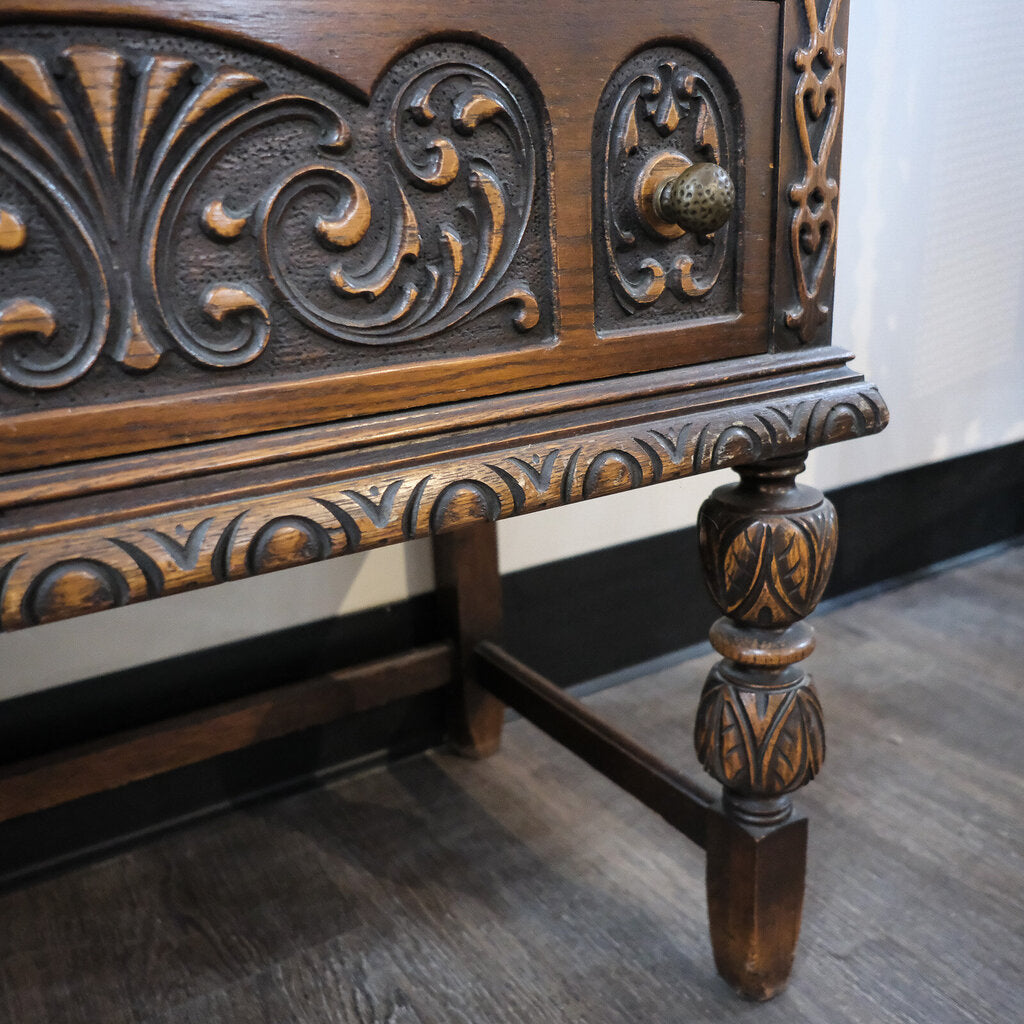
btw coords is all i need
(275, 214)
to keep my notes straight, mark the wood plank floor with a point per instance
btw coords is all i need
(527, 889)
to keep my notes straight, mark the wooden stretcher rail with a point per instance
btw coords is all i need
(137, 754)
(684, 804)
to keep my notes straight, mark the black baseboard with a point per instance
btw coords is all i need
(572, 620)
(67, 715)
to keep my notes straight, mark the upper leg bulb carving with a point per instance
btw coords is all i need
(767, 568)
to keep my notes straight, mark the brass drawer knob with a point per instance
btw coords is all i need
(700, 199)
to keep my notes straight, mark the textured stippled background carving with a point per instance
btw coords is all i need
(662, 100)
(196, 215)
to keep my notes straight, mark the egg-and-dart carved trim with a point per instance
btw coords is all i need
(168, 199)
(58, 575)
(817, 105)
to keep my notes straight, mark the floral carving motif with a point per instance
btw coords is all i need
(142, 162)
(662, 104)
(818, 108)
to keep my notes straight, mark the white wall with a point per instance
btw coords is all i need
(930, 295)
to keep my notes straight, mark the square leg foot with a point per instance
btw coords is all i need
(755, 886)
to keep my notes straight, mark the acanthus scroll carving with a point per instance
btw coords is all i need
(662, 111)
(153, 200)
(818, 109)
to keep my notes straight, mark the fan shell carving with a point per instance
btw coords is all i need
(168, 195)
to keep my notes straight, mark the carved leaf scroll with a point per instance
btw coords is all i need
(768, 571)
(818, 108)
(193, 200)
(663, 103)
(763, 742)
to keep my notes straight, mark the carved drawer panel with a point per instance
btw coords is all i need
(213, 225)
(193, 200)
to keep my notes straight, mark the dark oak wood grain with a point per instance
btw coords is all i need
(469, 596)
(283, 281)
(768, 546)
(755, 883)
(23, 485)
(173, 743)
(354, 44)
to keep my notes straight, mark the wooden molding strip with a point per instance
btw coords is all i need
(71, 558)
(36, 486)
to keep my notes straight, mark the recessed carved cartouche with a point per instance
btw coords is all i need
(53, 577)
(768, 546)
(171, 194)
(663, 114)
(818, 109)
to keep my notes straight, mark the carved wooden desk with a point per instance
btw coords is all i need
(284, 280)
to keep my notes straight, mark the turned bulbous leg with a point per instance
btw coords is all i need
(767, 546)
